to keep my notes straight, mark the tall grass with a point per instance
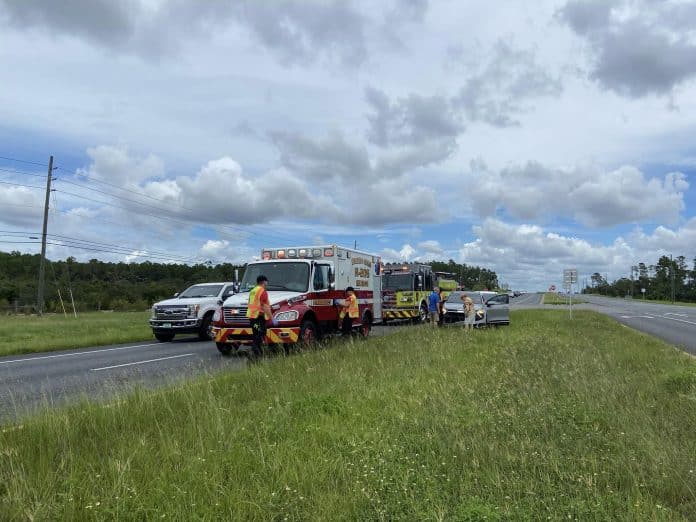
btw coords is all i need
(27, 334)
(547, 419)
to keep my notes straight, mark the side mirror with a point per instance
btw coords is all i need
(176, 294)
(220, 301)
(332, 285)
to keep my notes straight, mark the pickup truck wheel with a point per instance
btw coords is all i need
(224, 348)
(308, 334)
(205, 332)
(164, 337)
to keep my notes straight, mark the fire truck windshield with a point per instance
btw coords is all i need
(293, 277)
(397, 281)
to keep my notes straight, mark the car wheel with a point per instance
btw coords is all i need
(164, 337)
(205, 332)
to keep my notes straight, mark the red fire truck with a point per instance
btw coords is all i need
(303, 283)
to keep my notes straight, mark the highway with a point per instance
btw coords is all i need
(52, 378)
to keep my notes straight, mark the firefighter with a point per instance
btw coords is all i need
(258, 312)
(349, 311)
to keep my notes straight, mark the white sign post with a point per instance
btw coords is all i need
(570, 277)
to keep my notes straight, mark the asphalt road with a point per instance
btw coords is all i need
(53, 378)
(50, 379)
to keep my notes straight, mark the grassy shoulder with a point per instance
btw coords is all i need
(29, 334)
(546, 419)
(552, 298)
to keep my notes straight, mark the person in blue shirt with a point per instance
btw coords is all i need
(434, 306)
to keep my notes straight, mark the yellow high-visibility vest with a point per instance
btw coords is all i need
(353, 311)
(255, 307)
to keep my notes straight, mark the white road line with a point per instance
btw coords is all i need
(29, 359)
(680, 320)
(141, 362)
(674, 313)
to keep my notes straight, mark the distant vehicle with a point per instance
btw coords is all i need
(517, 293)
(490, 308)
(511, 294)
(191, 311)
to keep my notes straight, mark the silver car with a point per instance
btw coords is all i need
(490, 308)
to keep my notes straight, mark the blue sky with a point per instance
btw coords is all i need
(524, 139)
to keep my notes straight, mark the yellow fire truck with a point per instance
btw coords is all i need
(405, 289)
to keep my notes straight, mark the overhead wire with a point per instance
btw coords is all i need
(24, 161)
(14, 171)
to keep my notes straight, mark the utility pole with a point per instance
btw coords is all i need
(671, 270)
(40, 298)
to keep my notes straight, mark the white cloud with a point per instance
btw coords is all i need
(588, 195)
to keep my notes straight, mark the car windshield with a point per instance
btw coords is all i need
(281, 276)
(397, 282)
(201, 291)
(456, 297)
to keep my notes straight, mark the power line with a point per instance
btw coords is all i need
(19, 185)
(99, 244)
(14, 171)
(24, 161)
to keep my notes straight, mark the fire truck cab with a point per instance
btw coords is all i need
(303, 284)
(405, 289)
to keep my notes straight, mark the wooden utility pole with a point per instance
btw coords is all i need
(42, 268)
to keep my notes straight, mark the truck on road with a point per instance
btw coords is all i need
(191, 311)
(304, 284)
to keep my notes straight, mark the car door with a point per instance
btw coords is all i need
(498, 309)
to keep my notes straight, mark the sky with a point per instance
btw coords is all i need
(523, 137)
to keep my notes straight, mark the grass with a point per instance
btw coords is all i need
(552, 298)
(545, 419)
(29, 334)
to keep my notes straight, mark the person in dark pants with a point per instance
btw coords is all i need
(349, 311)
(258, 312)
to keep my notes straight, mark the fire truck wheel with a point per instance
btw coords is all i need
(423, 315)
(164, 337)
(205, 332)
(308, 334)
(224, 348)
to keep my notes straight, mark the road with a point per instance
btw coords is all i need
(54, 378)
(49, 379)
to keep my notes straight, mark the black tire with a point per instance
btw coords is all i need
(224, 348)
(164, 337)
(308, 334)
(365, 327)
(205, 332)
(423, 315)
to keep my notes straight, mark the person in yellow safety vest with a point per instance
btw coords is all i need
(258, 312)
(349, 311)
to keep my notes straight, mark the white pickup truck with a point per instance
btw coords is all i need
(191, 311)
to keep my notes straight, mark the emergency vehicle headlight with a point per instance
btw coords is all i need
(290, 315)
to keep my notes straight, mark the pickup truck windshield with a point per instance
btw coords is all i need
(201, 291)
(281, 276)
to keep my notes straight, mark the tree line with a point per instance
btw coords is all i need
(668, 279)
(100, 285)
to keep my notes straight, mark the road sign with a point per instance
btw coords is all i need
(552, 288)
(570, 275)
(642, 290)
